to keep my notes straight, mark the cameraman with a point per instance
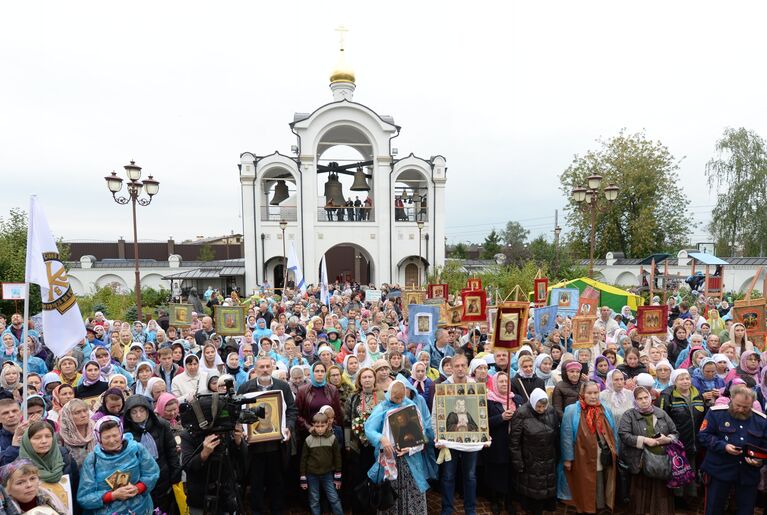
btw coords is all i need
(268, 460)
(198, 457)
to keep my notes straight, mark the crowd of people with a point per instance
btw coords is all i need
(644, 424)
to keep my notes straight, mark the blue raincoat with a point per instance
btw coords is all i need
(373, 430)
(133, 459)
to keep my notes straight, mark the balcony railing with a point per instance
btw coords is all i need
(410, 213)
(345, 214)
(278, 213)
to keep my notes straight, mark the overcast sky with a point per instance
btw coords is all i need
(508, 92)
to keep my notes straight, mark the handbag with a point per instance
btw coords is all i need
(681, 473)
(655, 466)
(375, 495)
(605, 455)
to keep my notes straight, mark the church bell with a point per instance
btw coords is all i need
(360, 181)
(280, 193)
(334, 191)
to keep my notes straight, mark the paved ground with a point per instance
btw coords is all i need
(483, 508)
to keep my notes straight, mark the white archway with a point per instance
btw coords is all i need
(114, 281)
(626, 279)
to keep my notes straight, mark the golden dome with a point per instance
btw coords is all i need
(342, 72)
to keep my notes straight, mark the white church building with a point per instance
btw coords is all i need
(343, 194)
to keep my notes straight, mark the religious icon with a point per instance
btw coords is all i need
(509, 322)
(406, 427)
(459, 419)
(472, 308)
(230, 320)
(652, 320)
(268, 425)
(583, 327)
(564, 300)
(423, 323)
(180, 315)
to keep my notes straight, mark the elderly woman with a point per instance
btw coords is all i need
(639, 430)
(615, 396)
(663, 371)
(21, 480)
(567, 391)
(684, 404)
(704, 378)
(117, 451)
(411, 483)
(589, 447)
(534, 442)
(76, 430)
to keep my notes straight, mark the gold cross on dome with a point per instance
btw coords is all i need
(341, 29)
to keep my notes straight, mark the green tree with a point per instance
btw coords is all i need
(492, 245)
(738, 174)
(206, 253)
(458, 251)
(13, 257)
(514, 234)
(648, 215)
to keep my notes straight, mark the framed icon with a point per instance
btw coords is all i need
(510, 325)
(653, 320)
(541, 291)
(269, 409)
(474, 305)
(230, 320)
(583, 331)
(180, 315)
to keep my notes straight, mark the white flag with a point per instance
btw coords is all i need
(295, 267)
(64, 327)
(324, 294)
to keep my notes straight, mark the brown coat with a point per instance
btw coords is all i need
(582, 477)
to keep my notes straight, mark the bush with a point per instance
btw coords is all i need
(115, 304)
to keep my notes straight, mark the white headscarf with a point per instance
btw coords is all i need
(676, 373)
(537, 396)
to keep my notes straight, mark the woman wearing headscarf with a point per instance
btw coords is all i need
(445, 369)
(739, 338)
(523, 384)
(313, 396)
(749, 366)
(186, 384)
(543, 366)
(351, 367)
(156, 436)
(616, 397)
(210, 361)
(677, 343)
(423, 385)
(500, 409)
(715, 322)
(627, 317)
(336, 378)
(602, 366)
(639, 429)
(663, 371)
(361, 353)
(632, 365)
(723, 365)
(21, 481)
(704, 378)
(411, 484)
(589, 446)
(685, 406)
(144, 371)
(117, 451)
(39, 445)
(534, 444)
(362, 402)
(67, 370)
(32, 348)
(93, 384)
(567, 391)
(76, 430)
(431, 373)
(167, 408)
(60, 396)
(233, 368)
(112, 403)
(261, 331)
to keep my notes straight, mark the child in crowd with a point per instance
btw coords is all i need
(321, 466)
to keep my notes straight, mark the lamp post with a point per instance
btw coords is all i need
(420, 256)
(588, 198)
(283, 226)
(151, 187)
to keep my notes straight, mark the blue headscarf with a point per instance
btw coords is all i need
(314, 381)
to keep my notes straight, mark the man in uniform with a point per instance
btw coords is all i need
(733, 436)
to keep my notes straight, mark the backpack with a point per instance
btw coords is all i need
(681, 471)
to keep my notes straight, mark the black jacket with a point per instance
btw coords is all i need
(687, 418)
(522, 387)
(167, 457)
(633, 425)
(498, 452)
(534, 441)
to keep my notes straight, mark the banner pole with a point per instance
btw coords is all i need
(25, 350)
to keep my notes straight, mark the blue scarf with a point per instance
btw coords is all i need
(314, 381)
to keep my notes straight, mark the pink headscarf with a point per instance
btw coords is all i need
(163, 401)
(493, 394)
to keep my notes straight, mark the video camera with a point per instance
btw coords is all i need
(216, 413)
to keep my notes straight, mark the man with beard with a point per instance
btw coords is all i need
(735, 437)
(267, 472)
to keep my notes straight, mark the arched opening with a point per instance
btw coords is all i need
(345, 176)
(349, 263)
(411, 274)
(279, 276)
(411, 196)
(280, 196)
